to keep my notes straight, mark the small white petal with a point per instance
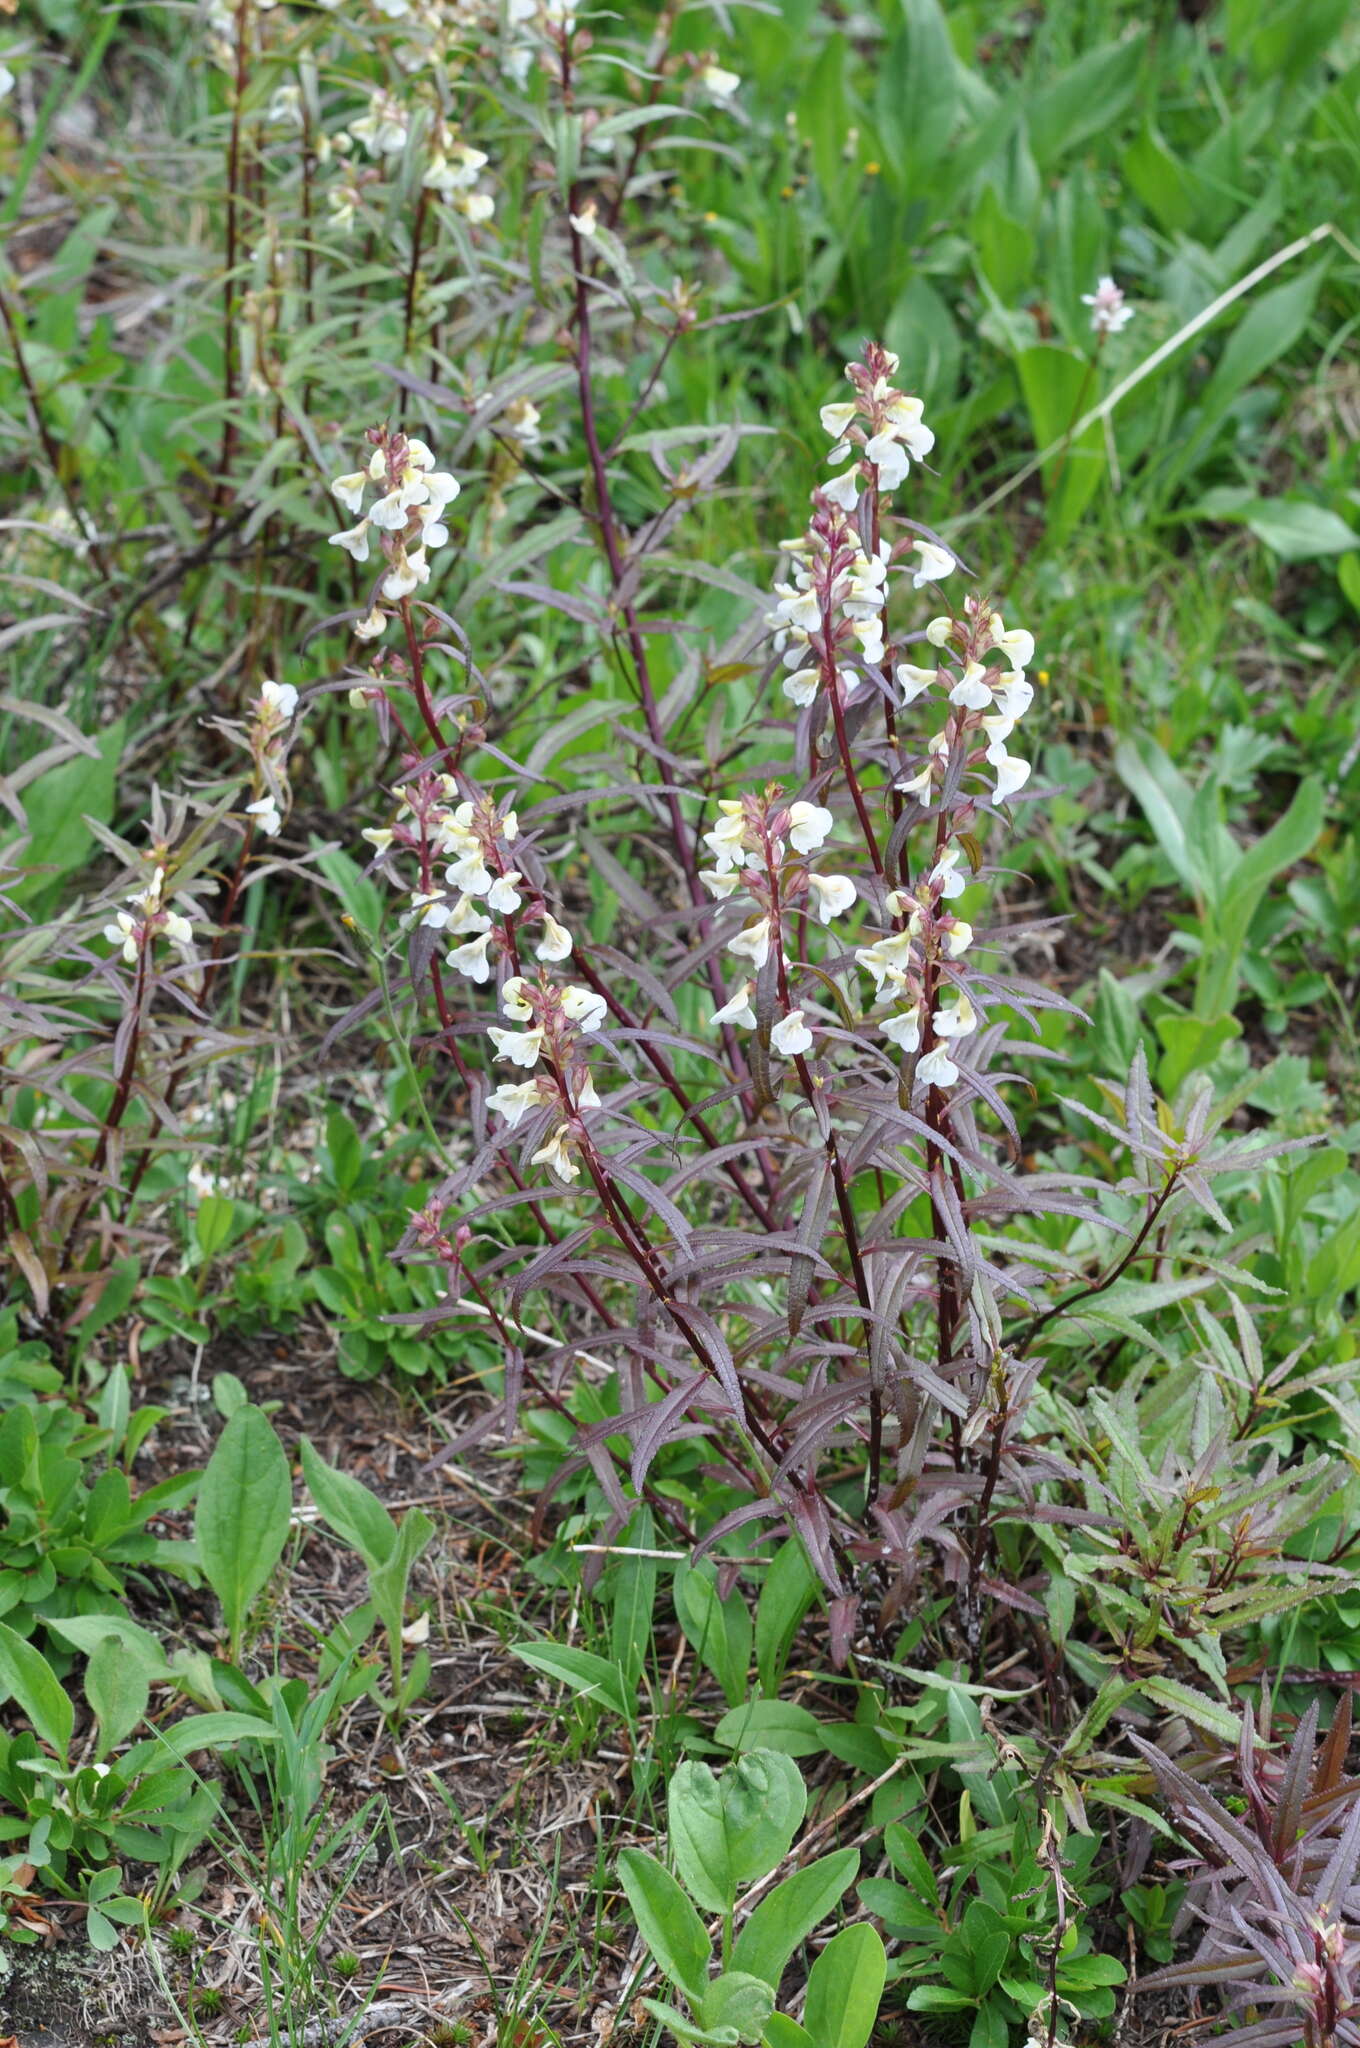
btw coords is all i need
(791, 1035)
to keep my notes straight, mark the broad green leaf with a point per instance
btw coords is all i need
(241, 1520)
(685, 2029)
(1298, 530)
(1084, 99)
(719, 1631)
(668, 1923)
(214, 1731)
(86, 1631)
(726, 1832)
(117, 1687)
(1057, 388)
(917, 91)
(355, 1513)
(738, 2001)
(1266, 331)
(27, 1678)
(844, 1988)
(782, 2032)
(771, 1724)
(789, 1914)
(593, 1677)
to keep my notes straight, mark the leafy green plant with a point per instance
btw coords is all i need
(242, 1517)
(728, 1833)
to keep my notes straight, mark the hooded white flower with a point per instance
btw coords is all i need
(725, 841)
(958, 1022)
(720, 882)
(831, 895)
(972, 690)
(737, 1009)
(513, 1001)
(934, 563)
(917, 785)
(1018, 648)
(350, 489)
(354, 541)
(722, 84)
(904, 1030)
(753, 943)
(503, 897)
(808, 826)
(371, 627)
(514, 1100)
(266, 813)
(802, 688)
(472, 959)
(1012, 773)
(937, 1070)
(557, 1155)
(522, 1048)
(887, 959)
(123, 934)
(836, 418)
(1109, 314)
(888, 455)
(466, 916)
(939, 630)
(844, 490)
(958, 938)
(584, 1007)
(907, 417)
(280, 698)
(556, 941)
(791, 1035)
(945, 876)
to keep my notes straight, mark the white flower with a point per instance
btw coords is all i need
(844, 490)
(587, 221)
(937, 1070)
(958, 938)
(280, 698)
(906, 416)
(753, 943)
(372, 626)
(503, 896)
(587, 1096)
(514, 1100)
(472, 960)
(350, 489)
(354, 541)
(720, 882)
(1109, 314)
(958, 1022)
(1018, 648)
(725, 840)
(809, 825)
(737, 1009)
(391, 511)
(465, 916)
(1012, 773)
(178, 930)
(267, 812)
(583, 1006)
(379, 837)
(802, 688)
(556, 1155)
(513, 1001)
(722, 84)
(971, 689)
(470, 873)
(904, 1030)
(938, 632)
(6, 81)
(935, 563)
(831, 895)
(887, 959)
(556, 941)
(917, 785)
(912, 682)
(836, 418)
(890, 459)
(522, 1048)
(123, 934)
(791, 1035)
(944, 876)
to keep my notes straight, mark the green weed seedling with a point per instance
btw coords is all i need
(245, 1506)
(728, 1833)
(389, 1549)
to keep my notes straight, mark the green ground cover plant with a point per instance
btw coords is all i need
(678, 1079)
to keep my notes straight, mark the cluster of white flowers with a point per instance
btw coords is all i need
(750, 846)
(983, 701)
(149, 918)
(407, 515)
(886, 425)
(1109, 314)
(901, 964)
(272, 715)
(833, 609)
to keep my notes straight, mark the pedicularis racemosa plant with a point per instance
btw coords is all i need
(754, 1150)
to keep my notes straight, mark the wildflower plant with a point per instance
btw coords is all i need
(759, 1150)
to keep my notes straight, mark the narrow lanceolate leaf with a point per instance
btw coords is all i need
(244, 1506)
(789, 1914)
